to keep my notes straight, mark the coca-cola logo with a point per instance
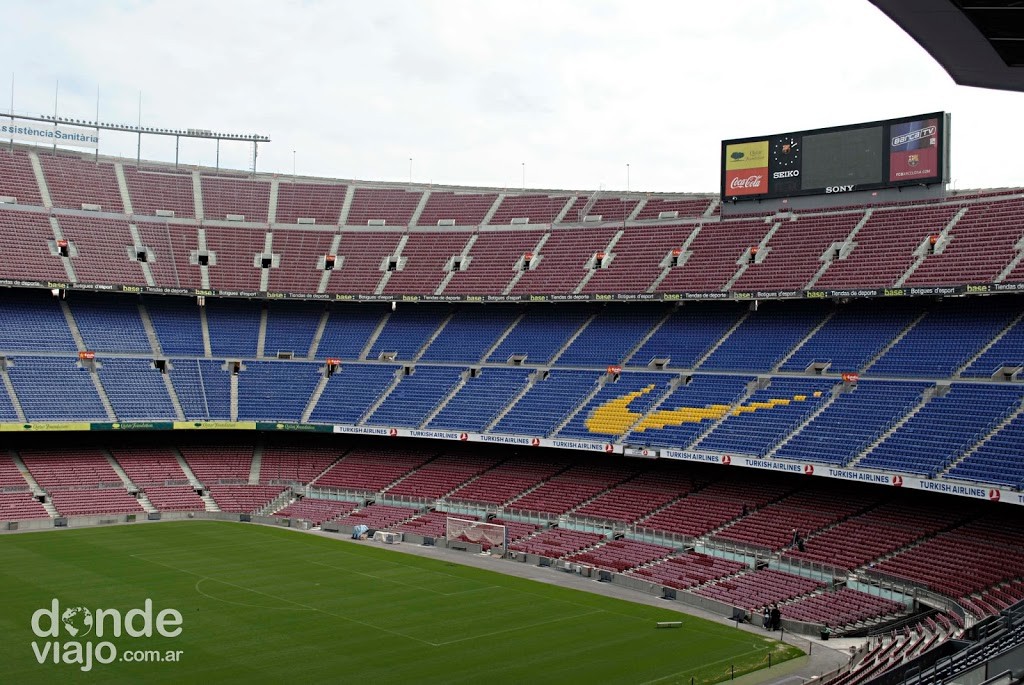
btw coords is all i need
(752, 181)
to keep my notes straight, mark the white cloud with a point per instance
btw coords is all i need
(576, 89)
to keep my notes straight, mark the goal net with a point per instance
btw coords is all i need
(487, 535)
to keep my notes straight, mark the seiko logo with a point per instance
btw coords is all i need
(838, 189)
(752, 181)
(786, 174)
(927, 131)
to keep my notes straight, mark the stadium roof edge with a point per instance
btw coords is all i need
(979, 44)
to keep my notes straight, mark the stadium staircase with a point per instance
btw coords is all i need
(37, 170)
(530, 381)
(751, 257)
(346, 205)
(197, 195)
(579, 331)
(147, 324)
(268, 249)
(318, 335)
(433, 336)
(463, 379)
(810, 334)
(418, 212)
(600, 383)
(122, 188)
(33, 484)
(752, 387)
(205, 327)
(836, 392)
(257, 462)
(721, 341)
(465, 258)
(673, 384)
(926, 248)
(978, 445)
(985, 348)
(501, 338)
(1014, 263)
(283, 500)
(15, 402)
(399, 265)
(650, 333)
(592, 267)
(383, 396)
(537, 258)
(208, 501)
(143, 500)
(926, 397)
(372, 340)
(138, 246)
(839, 250)
(275, 188)
(261, 336)
(325, 277)
(666, 265)
(318, 391)
(892, 343)
(204, 269)
(234, 397)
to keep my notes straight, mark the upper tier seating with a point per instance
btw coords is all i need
(492, 262)
(395, 206)
(154, 190)
(17, 179)
(55, 388)
(235, 195)
(73, 181)
(538, 209)
(465, 209)
(319, 201)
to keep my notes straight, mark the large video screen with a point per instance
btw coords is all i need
(906, 151)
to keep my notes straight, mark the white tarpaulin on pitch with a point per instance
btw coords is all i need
(31, 132)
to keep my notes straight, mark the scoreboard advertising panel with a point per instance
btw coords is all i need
(880, 154)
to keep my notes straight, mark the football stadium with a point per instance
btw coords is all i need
(271, 427)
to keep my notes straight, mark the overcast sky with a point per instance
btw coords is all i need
(476, 92)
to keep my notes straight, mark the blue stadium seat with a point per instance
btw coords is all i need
(276, 391)
(755, 426)
(407, 330)
(852, 422)
(291, 327)
(540, 333)
(688, 334)
(178, 326)
(203, 389)
(32, 320)
(613, 333)
(110, 323)
(136, 390)
(348, 329)
(470, 333)
(234, 327)
(481, 399)
(415, 396)
(55, 389)
(351, 391)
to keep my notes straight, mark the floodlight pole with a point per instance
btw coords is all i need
(138, 145)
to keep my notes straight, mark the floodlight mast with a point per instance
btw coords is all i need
(177, 134)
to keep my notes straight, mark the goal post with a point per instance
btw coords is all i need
(487, 535)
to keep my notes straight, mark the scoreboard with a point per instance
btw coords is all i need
(910, 150)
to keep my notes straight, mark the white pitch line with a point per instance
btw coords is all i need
(515, 628)
(403, 584)
(299, 604)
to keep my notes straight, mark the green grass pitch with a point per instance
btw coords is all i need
(260, 604)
